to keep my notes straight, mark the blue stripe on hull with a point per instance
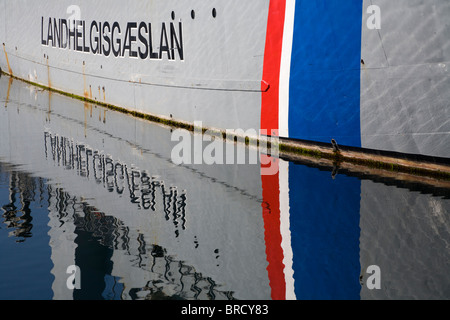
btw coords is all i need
(325, 72)
(324, 234)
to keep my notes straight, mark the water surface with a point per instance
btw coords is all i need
(82, 185)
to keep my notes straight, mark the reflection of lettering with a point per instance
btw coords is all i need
(143, 190)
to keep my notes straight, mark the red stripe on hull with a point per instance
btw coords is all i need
(272, 62)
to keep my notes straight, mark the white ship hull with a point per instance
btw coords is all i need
(317, 71)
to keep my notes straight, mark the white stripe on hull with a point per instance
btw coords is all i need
(285, 69)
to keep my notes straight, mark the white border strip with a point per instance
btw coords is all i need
(285, 69)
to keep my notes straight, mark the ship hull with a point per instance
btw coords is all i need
(313, 71)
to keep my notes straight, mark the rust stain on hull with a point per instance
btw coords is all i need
(8, 92)
(86, 110)
(48, 74)
(86, 93)
(7, 60)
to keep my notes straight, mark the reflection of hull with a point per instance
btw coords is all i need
(172, 206)
(224, 231)
(313, 71)
(412, 242)
(324, 230)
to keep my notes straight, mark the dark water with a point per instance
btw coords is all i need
(87, 187)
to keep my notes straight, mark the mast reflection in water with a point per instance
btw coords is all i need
(77, 188)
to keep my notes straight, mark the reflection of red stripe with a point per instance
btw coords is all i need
(269, 122)
(272, 232)
(272, 62)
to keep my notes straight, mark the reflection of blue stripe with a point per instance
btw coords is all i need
(325, 71)
(325, 232)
